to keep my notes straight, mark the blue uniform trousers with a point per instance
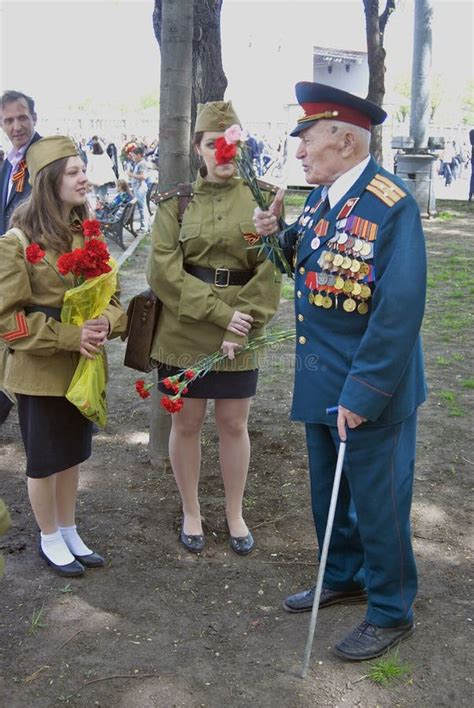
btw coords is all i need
(371, 540)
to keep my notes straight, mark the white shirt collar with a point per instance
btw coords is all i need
(343, 183)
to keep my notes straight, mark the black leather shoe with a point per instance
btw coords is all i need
(194, 544)
(303, 601)
(243, 545)
(70, 570)
(92, 560)
(368, 641)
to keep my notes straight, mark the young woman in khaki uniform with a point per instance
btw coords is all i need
(45, 351)
(217, 293)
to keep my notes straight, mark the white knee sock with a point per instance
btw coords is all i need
(73, 541)
(54, 547)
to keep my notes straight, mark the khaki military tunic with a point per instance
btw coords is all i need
(4, 525)
(215, 233)
(44, 352)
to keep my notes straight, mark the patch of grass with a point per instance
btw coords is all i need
(445, 215)
(467, 383)
(387, 669)
(448, 360)
(67, 588)
(450, 398)
(295, 200)
(249, 502)
(288, 290)
(37, 621)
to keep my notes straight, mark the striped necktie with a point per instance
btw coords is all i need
(18, 178)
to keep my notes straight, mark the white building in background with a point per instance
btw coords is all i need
(343, 69)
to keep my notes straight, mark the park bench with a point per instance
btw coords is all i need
(113, 226)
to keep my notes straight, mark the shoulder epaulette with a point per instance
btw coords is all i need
(267, 186)
(182, 190)
(386, 190)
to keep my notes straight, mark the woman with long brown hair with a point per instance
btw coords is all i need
(46, 351)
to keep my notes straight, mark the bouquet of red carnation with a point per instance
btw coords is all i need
(178, 384)
(232, 146)
(90, 261)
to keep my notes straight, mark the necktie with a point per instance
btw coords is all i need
(18, 178)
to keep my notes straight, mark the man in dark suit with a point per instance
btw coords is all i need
(18, 120)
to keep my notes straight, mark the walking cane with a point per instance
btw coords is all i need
(324, 553)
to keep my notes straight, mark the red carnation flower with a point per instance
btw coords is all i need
(224, 151)
(140, 388)
(34, 253)
(91, 228)
(172, 405)
(189, 374)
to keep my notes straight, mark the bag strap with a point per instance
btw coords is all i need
(185, 194)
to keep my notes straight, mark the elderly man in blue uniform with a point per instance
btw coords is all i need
(360, 277)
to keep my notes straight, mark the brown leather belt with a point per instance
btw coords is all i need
(221, 277)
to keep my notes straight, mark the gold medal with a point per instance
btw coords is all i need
(365, 291)
(318, 300)
(364, 270)
(358, 244)
(338, 259)
(349, 305)
(362, 308)
(348, 286)
(355, 266)
(366, 249)
(327, 302)
(346, 263)
(356, 289)
(329, 257)
(311, 298)
(339, 284)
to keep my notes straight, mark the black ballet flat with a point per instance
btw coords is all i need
(91, 560)
(192, 543)
(243, 545)
(70, 570)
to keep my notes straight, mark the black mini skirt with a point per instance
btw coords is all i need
(55, 435)
(215, 384)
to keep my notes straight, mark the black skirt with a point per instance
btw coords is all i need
(215, 384)
(55, 435)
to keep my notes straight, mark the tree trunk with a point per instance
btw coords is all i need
(420, 89)
(208, 79)
(173, 24)
(375, 24)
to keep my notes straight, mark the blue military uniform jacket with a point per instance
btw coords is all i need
(9, 203)
(364, 354)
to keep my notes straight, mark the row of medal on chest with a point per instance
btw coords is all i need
(340, 275)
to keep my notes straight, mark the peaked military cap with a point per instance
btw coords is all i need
(321, 102)
(215, 116)
(47, 150)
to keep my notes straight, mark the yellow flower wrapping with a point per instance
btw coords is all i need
(87, 390)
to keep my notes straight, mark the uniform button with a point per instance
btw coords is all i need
(218, 199)
(302, 340)
(299, 293)
(301, 318)
(302, 271)
(219, 218)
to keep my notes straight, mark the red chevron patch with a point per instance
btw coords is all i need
(20, 331)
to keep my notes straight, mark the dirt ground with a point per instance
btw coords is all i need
(159, 627)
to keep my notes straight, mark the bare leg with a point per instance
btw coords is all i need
(42, 494)
(67, 483)
(185, 458)
(234, 453)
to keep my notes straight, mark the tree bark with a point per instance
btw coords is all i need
(421, 67)
(209, 81)
(173, 24)
(375, 24)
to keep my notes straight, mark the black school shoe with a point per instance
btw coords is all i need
(92, 560)
(243, 545)
(192, 543)
(367, 641)
(70, 570)
(303, 601)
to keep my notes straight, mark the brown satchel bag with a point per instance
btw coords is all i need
(143, 312)
(144, 309)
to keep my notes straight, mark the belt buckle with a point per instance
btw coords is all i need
(216, 277)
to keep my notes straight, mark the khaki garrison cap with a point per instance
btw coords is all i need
(215, 116)
(47, 150)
